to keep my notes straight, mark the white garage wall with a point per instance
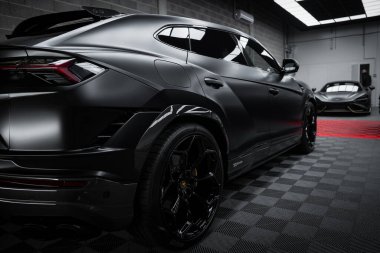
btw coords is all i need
(330, 54)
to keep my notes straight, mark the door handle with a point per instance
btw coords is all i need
(274, 91)
(215, 83)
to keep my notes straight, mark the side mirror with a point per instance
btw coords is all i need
(314, 89)
(290, 66)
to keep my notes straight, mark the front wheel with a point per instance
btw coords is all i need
(180, 188)
(309, 131)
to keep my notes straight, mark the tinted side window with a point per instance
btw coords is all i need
(175, 36)
(256, 55)
(216, 44)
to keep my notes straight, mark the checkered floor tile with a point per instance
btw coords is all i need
(327, 201)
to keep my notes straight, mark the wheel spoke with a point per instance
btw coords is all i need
(206, 178)
(179, 160)
(185, 228)
(198, 161)
(174, 209)
(196, 147)
(207, 205)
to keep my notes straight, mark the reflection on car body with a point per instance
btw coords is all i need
(113, 119)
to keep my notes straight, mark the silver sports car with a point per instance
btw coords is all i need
(344, 96)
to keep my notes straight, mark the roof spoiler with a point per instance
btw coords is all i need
(100, 12)
(35, 24)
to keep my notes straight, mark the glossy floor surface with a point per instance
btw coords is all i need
(327, 201)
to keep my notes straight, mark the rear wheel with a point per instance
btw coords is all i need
(180, 188)
(309, 132)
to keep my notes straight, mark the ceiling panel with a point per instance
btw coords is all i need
(331, 9)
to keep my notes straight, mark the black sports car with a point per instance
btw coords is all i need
(344, 96)
(112, 120)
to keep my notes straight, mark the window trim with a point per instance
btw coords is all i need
(232, 34)
(155, 35)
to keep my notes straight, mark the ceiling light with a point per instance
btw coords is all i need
(298, 11)
(341, 19)
(358, 16)
(327, 21)
(371, 7)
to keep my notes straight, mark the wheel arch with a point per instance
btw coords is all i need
(181, 114)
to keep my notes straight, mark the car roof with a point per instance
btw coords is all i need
(171, 20)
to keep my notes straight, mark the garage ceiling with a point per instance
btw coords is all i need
(323, 12)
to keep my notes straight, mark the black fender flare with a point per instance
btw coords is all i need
(168, 116)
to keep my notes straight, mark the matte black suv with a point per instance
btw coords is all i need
(114, 119)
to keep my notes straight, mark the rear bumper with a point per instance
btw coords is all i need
(104, 198)
(101, 203)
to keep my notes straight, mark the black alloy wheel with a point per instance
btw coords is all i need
(309, 133)
(191, 187)
(181, 188)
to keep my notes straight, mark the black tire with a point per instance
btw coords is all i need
(309, 130)
(168, 172)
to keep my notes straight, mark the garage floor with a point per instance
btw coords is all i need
(327, 201)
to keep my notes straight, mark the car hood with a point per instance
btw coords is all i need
(339, 96)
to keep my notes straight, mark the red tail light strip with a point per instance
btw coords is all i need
(60, 66)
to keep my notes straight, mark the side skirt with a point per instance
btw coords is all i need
(235, 173)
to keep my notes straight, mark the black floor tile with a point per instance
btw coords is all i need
(327, 201)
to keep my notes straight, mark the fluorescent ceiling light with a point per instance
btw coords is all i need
(341, 19)
(327, 21)
(358, 16)
(298, 11)
(371, 7)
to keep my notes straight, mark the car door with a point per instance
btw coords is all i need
(227, 80)
(286, 96)
(287, 111)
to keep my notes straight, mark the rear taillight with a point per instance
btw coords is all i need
(50, 71)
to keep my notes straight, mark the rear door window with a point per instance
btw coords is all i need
(216, 44)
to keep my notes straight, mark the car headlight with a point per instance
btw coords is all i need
(362, 99)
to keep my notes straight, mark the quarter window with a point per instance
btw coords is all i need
(175, 36)
(215, 44)
(256, 55)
